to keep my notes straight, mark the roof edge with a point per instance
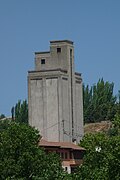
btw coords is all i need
(44, 52)
(61, 41)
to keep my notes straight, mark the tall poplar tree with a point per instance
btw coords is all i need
(99, 102)
(20, 112)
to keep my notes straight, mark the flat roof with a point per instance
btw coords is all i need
(61, 41)
(43, 52)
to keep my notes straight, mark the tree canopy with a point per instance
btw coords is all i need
(22, 158)
(102, 158)
(99, 102)
(2, 116)
(20, 112)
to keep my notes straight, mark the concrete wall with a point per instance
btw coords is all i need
(44, 107)
(54, 59)
(55, 95)
(36, 94)
(66, 110)
(39, 57)
(52, 109)
(78, 124)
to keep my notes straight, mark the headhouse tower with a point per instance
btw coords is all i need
(55, 99)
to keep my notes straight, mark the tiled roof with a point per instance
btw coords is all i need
(66, 145)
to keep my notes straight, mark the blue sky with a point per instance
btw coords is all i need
(27, 26)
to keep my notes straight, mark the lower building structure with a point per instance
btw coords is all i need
(71, 155)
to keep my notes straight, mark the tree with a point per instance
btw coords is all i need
(87, 103)
(20, 112)
(115, 129)
(2, 116)
(102, 161)
(22, 158)
(99, 102)
(4, 125)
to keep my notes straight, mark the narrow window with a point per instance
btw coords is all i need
(42, 61)
(71, 155)
(66, 155)
(58, 50)
(62, 155)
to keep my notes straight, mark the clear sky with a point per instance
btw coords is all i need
(27, 26)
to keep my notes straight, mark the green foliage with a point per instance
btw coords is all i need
(4, 125)
(99, 102)
(21, 158)
(2, 116)
(102, 159)
(115, 130)
(116, 121)
(20, 112)
(118, 103)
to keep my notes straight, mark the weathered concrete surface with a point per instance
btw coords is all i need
(55, 94)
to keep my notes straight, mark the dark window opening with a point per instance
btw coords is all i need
(58, 50)
(73, 169)
(78, 154)
(66, 155)
(42, 61)
(62, 155)
(71, 155)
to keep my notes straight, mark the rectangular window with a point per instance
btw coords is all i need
(58, 50)
(42, 61)
(62, 155)
(66, 155)
(71, 155)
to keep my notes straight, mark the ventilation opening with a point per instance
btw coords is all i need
(58, 50)
(42, 61)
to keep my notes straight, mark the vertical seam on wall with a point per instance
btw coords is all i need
(43, 106)
(71, 74)
(62, 123)
(58, 79)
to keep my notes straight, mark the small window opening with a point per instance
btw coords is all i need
(42, 61)
(58, 50)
